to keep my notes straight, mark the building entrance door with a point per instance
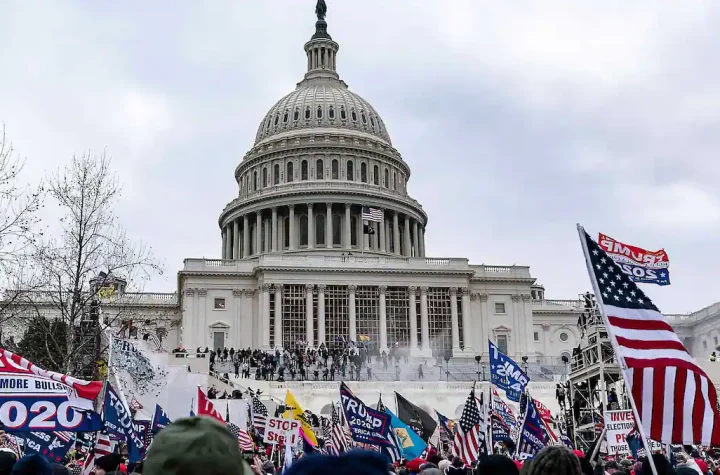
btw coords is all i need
(218, 340)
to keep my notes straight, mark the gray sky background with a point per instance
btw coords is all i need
(518, 119)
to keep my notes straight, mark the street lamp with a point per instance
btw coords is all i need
(525, 363)
(478, 359)
(448, 355)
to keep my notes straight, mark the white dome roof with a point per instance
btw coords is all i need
(323, 103)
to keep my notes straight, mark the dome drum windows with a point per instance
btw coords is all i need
(319, 169)
(335, 169)
(276, 174)
(319, 113)
(289, 175)
(296, 115)
(363, 172)
(353, 115)
(331, 112)
(304, 170)
(307, 113)
(350, 170)
(363, 117)
(376, 175)
(265, 177)
(286, 117)
(343, 114)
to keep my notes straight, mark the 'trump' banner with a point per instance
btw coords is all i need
(118, 421)
(532, 437)
(367, 425)
(506, 374)
(160, 420)
(649, 267)
(34, 399)
(53, 445)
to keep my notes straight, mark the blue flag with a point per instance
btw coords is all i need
(532, 436)
(53, 445)
(506, 374)
(409, 442)
(568, 443)
(367, 426)
(160, 419)
(137, 453)
(119, 423)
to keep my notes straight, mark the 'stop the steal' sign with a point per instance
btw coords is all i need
(650, 267)
(277, 429)
(367, 425)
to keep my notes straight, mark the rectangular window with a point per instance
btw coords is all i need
(500, 308)
(536, 336)
(219, 304)
(502, 343)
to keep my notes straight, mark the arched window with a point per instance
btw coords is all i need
(307, 112)
(343, 114)
(337, 229)
(331, 112)
(255, 181)
(319, 169)
(353, 115)
(289, 173)
(265, 180)
(363, 172)
(372, 122)
(304, 170)
(319, 112)
(267, 124)
(335, 170)
(276, 174)
(320, 229)
(296, 114)
(285, 117)
(277, 118)
(353, 231)
(350, 169)
(386, 181)
(394, 182)
(376, 175)
(303, 230)
(364, 119)
(286, 232)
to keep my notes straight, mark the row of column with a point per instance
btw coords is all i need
(412, 303)
(236, 239)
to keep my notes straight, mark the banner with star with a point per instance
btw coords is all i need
(641, 265)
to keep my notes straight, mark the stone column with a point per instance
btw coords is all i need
(291, 224)
(424, 323)
(246, 237)
(416, 241)
(396, 234)
(383, 319)
(278, 316)
(321, 314)
(309, 334)
(274, 237)
(265, 315)
(328, 227)
(467, 321)
(388, 235)
(236, 314)
(454, 319)
(258, 233)
(484, 322)
(382, 233)
(203, 325)
(311, 227)
(348, 239)
(236, 239)
(188, 333)
(375, 238)
(360, 234)
(412, 306)
(406, 237)
(422, 241)
(229, 243)
(224, 244)
(352, 318)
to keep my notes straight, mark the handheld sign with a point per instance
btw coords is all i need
(277, 429)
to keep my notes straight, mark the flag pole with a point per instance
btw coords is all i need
(614, 343)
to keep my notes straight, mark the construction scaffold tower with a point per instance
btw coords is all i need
(595, 379)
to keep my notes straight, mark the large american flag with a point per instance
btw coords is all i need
(469, 440)
(372, 214)
(675, 399)
(244, 441)
(337, 442)
(259, 415)
(599, 421)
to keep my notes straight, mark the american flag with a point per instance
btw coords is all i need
(675, 399)
(103, 446)
(599, 421)
(337, 440)
(469, 440)
(259, 415)
(393, 451)
(244, 441)
(372, 214)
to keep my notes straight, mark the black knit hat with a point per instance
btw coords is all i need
(553, 460)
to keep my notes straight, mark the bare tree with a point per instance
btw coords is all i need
(85, 261)
(18, 219)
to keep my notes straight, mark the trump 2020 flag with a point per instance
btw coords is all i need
(506, 374)
(532, 437)
(675, 399)
(160, 419)
(118, 421)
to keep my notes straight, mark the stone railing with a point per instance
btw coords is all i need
(494, 272)
(321, 185)
(572, 304)
(126, 298)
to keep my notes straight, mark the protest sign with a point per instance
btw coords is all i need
(276, 429)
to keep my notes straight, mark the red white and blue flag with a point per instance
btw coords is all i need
(675, 399)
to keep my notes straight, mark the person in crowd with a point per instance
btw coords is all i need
(7, 460)
(554, 460)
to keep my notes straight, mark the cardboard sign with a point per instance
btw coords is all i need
(619, 424)
(277, 429)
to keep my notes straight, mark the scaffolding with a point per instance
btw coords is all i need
(595, 378)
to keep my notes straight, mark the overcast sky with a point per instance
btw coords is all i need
(518, 119)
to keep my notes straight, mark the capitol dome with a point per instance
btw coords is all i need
(323, 102)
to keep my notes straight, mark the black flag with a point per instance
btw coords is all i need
(418, 419)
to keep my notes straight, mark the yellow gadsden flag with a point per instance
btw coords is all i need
(294, 411)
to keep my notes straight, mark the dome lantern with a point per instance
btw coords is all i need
(321, 50)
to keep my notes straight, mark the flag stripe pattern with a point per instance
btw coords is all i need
(675, 399)
(338, 442)
(372, 214)
(244, 441)
(392, 451)
(259, 415)
(469, 440)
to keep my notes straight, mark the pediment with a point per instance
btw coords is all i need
(219, 325)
